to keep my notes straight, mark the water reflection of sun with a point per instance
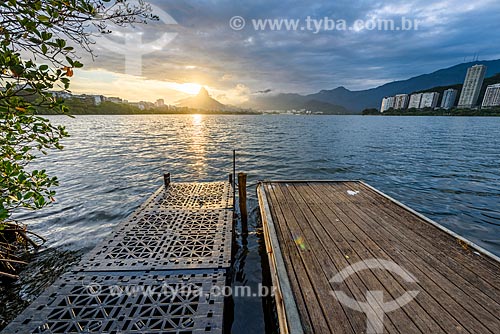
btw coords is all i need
(197, 119)
(198, 143)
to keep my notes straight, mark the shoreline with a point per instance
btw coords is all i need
(265, 114)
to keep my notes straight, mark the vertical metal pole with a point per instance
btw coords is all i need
(234, 179)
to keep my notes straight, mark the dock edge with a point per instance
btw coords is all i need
(288, 314)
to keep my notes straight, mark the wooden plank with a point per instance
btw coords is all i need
(365, 247)
(427, 252)
(302, 285)
(459, 289)
(379, 248)
(306, 286)
(287, 308)
(464, 261)
(491, 258)
(456, 260)
(451, 297)
(333, 261)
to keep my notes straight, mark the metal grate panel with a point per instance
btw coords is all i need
(194, 196)
(162, 302)
(179, 238)
(166, 240)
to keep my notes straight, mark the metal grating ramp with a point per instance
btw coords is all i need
(194, 196)
(178, 241)
(159, 302)
(164, 240)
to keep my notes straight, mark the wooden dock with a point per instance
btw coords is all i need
(340, 252)
(158, 272)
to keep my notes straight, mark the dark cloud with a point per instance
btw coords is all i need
(266, 91)
(209, 52)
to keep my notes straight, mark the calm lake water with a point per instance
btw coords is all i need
(446, 168)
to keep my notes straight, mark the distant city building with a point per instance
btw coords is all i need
(114, 99)
(137, 105)
(472, 86)
(62, 95)
(160, 103)
(401, 101)
(429, 100)
(415, 100)
(144, 105)
(94, 99)
(449, 98)
(492, 96)
(387, 103)
(98, 99)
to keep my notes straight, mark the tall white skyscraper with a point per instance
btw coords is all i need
(449, 97)
(387, 103)
(401, 101)
(429, 100)
(492, 96)
(415, 100)
(472, 86)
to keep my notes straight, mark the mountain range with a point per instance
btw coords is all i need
(342, 100)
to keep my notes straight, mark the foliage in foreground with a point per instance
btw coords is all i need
(37, 56)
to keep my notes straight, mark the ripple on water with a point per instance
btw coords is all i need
(446, 168)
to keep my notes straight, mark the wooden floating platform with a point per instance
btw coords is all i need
(156, 273)
(333, 247)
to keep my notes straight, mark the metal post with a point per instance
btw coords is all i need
(242, 196)
(234, 179)
(166, 180)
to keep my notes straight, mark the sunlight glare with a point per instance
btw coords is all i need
(189, 88)
(197, 119)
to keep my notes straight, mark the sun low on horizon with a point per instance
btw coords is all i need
(133, 88)
(189, 88)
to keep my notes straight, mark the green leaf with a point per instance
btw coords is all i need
(43, 18)
(61, 43)
(4, 214)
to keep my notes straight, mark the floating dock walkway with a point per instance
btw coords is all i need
(160, 271)
(346, 258)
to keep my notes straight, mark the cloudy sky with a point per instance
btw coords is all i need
(194, 45)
